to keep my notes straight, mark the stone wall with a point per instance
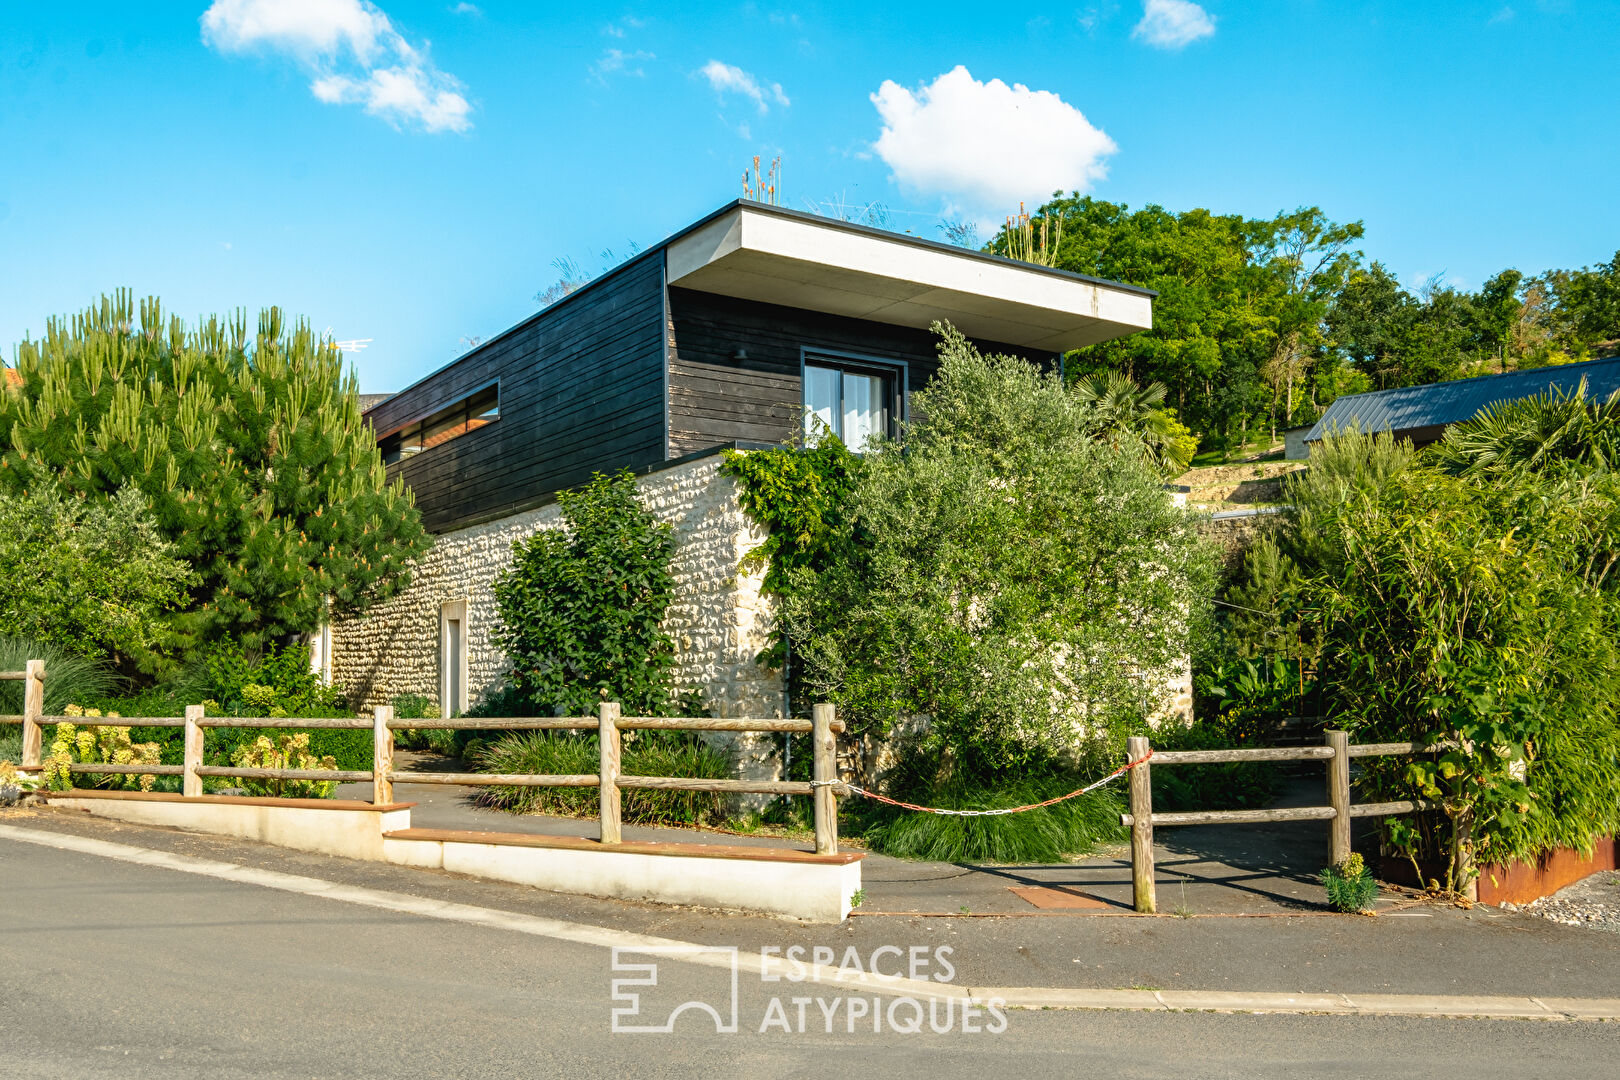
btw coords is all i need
(718, 620)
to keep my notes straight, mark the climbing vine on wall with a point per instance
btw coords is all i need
(800, 495)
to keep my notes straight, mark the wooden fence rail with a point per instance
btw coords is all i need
(1338, 812)
(608, 779)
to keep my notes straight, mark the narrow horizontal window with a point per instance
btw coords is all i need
(469, 414)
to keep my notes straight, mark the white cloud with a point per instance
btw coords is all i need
(617, 62)
(465, 8)
(353, 53)
(1173, 24)
(984, 146)
(727, 79)
(401, 95)
(618, 27)
(307, 28)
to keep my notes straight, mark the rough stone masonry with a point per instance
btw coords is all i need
(718, 620)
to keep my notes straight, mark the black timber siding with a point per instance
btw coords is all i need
(582, 390)
(714, 399)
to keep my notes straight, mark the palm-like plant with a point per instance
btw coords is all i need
(1548, 432)
(1119, 405)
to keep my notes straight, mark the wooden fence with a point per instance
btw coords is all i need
(1338, 813)
(608, 723)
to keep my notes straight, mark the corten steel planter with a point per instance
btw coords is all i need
(1516, 882)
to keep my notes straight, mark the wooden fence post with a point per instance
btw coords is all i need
(1136, 748)
(825, 770)
(382, 756)
(607, 727)
(33, 709)
(1338, 793)
(190, 782)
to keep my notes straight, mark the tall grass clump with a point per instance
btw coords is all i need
(70, 679)
(1051, 834)
(643, 753)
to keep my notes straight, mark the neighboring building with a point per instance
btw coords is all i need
(1422, 413)
(728, 333)
(1294, 445)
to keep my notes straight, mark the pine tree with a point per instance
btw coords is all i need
(251, 451)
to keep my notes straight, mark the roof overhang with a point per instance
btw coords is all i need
(797, 260)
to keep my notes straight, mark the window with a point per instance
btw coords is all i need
(856, 402)
(469, 414)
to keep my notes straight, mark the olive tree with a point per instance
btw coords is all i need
(1000, 571)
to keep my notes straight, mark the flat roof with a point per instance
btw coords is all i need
(756, 251)
(747, 249)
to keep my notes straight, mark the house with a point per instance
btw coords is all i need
(1422, 413)
(730, 333)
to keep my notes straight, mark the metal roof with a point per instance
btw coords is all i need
(1410, 407)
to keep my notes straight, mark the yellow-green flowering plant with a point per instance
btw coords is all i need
(284, 751)
(97, 745)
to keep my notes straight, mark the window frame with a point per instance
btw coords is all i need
(443, 411)
(897, 372)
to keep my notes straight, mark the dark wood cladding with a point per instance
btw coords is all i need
(582, 390)
(714, 399)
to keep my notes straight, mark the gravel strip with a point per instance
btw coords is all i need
(1593, 903)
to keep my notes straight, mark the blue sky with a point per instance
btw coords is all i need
(408, 172)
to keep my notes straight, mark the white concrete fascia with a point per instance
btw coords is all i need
(822, 266)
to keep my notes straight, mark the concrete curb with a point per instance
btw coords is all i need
(1017, 997)
(1425, 1005)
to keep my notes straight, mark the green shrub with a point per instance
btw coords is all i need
(1226, 786)
(582, 606)
(1475, 605)
(643, 753)
(421, 707)
(230, 681)
(93, 575)
(1350, 885)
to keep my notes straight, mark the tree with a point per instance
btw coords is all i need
(250, 451)
(1589, 303)
(1004, 572)
(1238, 322)
(93, 575)
(1118, 407)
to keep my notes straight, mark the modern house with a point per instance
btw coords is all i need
(1421, 414)
(729, 333)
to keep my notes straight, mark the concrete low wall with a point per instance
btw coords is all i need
(773, 881)
(328, 826)
(792, 884)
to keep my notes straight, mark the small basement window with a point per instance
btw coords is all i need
(856, 402)
(472, 412)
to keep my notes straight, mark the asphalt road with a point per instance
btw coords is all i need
(119, 969)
